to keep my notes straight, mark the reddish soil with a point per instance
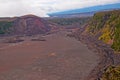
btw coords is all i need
(58, 58)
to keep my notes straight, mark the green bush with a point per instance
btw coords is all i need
(5, 27)
(116, 43)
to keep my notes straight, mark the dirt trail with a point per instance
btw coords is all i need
(57, 58)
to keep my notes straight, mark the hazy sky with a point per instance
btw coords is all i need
(42, 7)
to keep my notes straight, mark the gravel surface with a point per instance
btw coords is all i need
(58, 58)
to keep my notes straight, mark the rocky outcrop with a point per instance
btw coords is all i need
(104, 51)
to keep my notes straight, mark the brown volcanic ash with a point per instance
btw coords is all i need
(57, 58)
(30, 24)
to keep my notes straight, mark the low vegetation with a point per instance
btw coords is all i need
(5, 27)
(112, 73)
(107, 25)
(69, 21)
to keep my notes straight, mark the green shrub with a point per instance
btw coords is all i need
(112, 73)
(5, 27)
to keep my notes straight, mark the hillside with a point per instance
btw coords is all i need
(102, 35)
(72, 15)
(28, 24)
(69, 21)
(106, 27)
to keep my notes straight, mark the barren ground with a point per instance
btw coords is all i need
(58, 58)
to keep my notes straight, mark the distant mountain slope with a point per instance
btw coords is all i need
(28, 24)
(90, 10)
(106, 27)
(69, 21)
(74, 15)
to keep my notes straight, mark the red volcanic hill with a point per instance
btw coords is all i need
(28, 24)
